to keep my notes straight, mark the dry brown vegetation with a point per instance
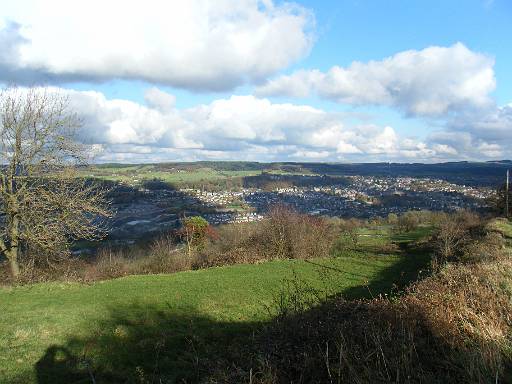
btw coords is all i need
(452, 327)
(283, 234)
(465, 237)
(161, 256)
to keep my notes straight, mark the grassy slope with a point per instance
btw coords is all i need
(109, 321)
(504, 226)
(140, 172)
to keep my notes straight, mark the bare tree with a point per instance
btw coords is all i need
(450, 238)
(43, 203)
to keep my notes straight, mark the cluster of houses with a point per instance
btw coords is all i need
(363, 196)
(141, 211)
(409, 184)
(217, 199)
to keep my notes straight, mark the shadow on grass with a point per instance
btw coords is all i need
(375, 341)
(159, 344)
(413, 264)
(415, 235)
(137, 344)
(336, 341)
(379, 341)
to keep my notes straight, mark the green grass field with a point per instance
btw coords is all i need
(135, 174)
(504, 226)
(174, 324)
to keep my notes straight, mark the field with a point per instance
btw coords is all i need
(468, 173)
(504, 227)
(178, 176)
(177, 324)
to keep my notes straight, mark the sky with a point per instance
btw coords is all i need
(334, 81)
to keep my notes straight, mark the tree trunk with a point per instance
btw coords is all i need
(12, 253)
(15, 267)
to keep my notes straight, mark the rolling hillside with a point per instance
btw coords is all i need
(56, 332)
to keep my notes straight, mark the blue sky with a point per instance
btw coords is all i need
(260, 80)
(369, 30)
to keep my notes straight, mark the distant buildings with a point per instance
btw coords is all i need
(141, 211)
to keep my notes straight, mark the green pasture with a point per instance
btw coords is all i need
(125, 329)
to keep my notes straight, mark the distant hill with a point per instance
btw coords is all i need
(490, 173)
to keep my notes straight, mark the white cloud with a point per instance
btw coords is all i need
(476, 136)
(491, 150)
(431, 82)
(310, 155)
(484, 133)
(493, 123)
(122, 122)
(160, 100)
(194, 44)
(383, 142)
(240, 127)
(445, 149)
(250, 128)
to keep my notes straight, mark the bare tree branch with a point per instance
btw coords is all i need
(43, 203)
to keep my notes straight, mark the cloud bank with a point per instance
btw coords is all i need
(194, 44)
(202, 45)
(251, 128)
(446, 87)
(432, 82)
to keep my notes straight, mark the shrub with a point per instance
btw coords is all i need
(282, 234)
(287, 234)
(195, 232)
(164, 256)
(407, 222)
(347, 230)
(71, 268)
(392, 219)
(486, 248)
(468, 307)
(465, 236)
(109, 264)
(450, 237)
